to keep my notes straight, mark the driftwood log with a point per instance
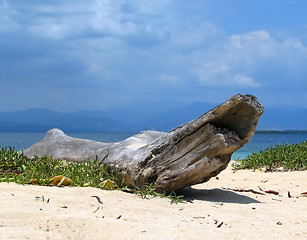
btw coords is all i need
(190, 154)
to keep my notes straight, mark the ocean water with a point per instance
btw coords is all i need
(23, 140)
(259, 142)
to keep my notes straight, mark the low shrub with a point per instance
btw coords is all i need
(288, 157)
(15, 167)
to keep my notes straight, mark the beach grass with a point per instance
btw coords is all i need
(16, 167)
(288, 157)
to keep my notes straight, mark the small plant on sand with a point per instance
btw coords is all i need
(150, 190)
(289, 157)
(15, 167)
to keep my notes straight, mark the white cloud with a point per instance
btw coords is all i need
(258, 43)
(261, 45)
(253, 59)
(100, 18)
(240, 40)
(242, 80)
(110, 19)
(221, 74)
(7, 23)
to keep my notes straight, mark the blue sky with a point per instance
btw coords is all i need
(75, 54)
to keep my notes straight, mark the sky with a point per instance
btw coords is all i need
(69, 55)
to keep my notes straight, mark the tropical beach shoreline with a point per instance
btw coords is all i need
(212, 210)
(259, 142)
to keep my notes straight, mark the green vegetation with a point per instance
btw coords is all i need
(15, 167)
(289, 157)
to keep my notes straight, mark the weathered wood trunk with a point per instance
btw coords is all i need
(190, 154)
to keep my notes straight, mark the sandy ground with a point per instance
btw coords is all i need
(210, 211)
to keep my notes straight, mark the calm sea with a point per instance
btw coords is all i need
(258, 143)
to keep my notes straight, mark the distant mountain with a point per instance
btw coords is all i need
(37, 120)
(133, 119)
(168, 120)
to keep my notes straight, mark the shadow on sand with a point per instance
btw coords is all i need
(215, 195)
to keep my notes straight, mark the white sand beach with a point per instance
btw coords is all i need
(210, 211)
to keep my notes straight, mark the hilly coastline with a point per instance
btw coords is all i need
(135, 119)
